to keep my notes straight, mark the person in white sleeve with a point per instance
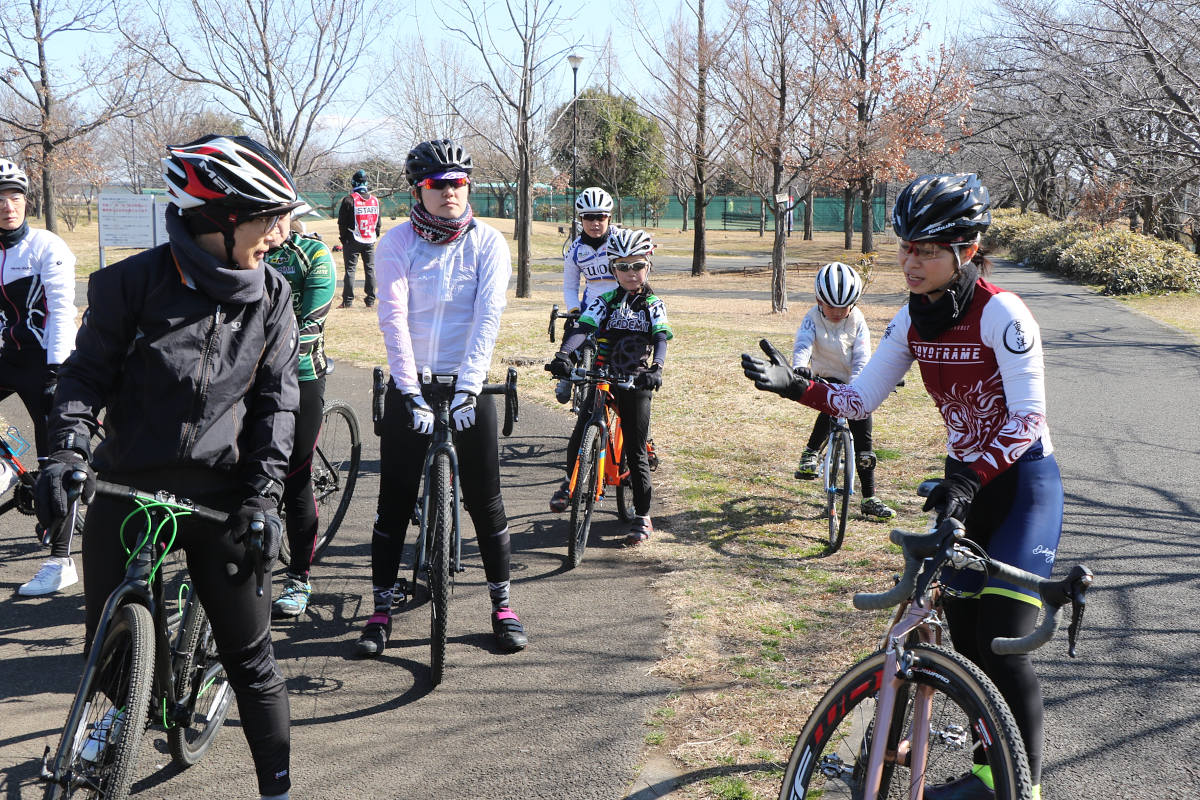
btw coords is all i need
(442, 279)
(37, 333)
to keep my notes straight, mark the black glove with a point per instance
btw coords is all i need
(560, 366)
(50, 385)
(775, 376)
(650, 379)
(266, 508)
(54, 479)
(953, 496)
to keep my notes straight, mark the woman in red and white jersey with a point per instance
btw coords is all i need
(980, 354)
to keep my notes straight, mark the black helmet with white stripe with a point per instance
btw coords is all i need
(838, 285)
(948, 208)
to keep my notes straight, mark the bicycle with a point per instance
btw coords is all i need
(937, 707)
(601, 461)
(12, 447)
(147, 663)
(837, 475)
(584, 357)
(335, 463)
(438, 550)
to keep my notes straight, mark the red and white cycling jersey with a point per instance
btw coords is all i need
(366, 217)
(985, 374)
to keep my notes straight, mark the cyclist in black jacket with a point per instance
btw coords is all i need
(191, 350)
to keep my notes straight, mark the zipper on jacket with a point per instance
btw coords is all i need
(192, 427)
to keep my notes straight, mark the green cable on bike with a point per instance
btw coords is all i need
(152, 533)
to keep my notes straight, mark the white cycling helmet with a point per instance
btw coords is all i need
(838, 285)
(628, 242)
(594, 200)
(13, 177)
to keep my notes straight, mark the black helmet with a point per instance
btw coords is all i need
(942, 208)
(359, 178)
(431, 158)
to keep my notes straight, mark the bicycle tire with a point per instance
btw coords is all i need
(581, 391)
(829, 759)
(837, 490)
(202, 686)
(440, 534)
(583, 499)
(335, 470)
(121, 679)
(625, 510)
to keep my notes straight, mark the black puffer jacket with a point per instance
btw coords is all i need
(195, 366)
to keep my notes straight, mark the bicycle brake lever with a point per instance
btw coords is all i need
(1081, 579)
(254, 548)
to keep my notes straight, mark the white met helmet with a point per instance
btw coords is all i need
(13, 177)
(629, 242)
(233, 171)
(838, 285)
(594, 200)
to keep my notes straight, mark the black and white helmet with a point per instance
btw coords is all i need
(948, 208)
(229, 172)
(838, 285)
(435, 158)
(13, 177)
(628, 242)
(594, 200)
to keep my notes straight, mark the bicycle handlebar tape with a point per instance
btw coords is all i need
(872, 601)
(378, 393)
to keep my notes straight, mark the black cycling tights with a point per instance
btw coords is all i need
(860, 432)
(240, 622)
(634, 407)
(298, 498)
(401, 460)
(973, 625)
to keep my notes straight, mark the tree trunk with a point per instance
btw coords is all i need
(522, 227)
(779, 263)
(808, 214)
(699, 151)
(762, 218)
(868, 213)
(848, 217)
(50, 202)
(699, 245)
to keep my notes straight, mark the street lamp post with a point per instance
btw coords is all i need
(574, 60)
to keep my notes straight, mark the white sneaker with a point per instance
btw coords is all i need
(54, 574)
(108, 727)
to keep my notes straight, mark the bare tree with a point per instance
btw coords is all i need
(280, 65)
(44, 109)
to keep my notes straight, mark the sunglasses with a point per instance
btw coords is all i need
(925, 252)
(442, 183)
(593, 217)
(630, 266)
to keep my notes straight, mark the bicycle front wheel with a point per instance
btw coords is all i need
(964, 717)
(837, 488)
(335, 470)
(440, 536)
(98, 755)
(586, 360)
(202, 687)
(583, 499)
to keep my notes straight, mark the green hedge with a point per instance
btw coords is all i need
(1120, 260)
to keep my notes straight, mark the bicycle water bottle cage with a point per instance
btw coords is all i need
(16, 442)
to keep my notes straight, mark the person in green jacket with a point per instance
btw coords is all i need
(308, 267)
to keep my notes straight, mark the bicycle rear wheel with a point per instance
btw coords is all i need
(625, 509)
(837, 489)
(97, 756)
(583, 499)
(202, 686)
(966, 716)
(440, 534)
(335, 470)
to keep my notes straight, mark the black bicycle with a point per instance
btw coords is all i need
(438, 552)
(152, 661)
(584, 357)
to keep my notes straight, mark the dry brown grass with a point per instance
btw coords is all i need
(1180, 310)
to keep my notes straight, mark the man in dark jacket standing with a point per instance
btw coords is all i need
(190, 349)
(359, 225)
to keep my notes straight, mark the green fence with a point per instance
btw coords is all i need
(728, 212)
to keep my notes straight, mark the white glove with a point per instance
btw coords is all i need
(422, 414)
(462, 410)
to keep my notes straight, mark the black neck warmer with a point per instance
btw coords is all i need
(9, 239)
(206, 273)
(595, 244)
(933, 319)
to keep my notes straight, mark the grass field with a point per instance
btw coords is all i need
(758, 617)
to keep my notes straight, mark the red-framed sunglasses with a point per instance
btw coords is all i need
(441, 183)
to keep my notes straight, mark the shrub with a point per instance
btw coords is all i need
(1040, 246)
(1125, 262)
(1009, 224)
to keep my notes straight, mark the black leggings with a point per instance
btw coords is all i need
(26, 378)
(298, 500)
(860, 431)
(634, 407)
(401, 461)
(240, 622)
(973, 625)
